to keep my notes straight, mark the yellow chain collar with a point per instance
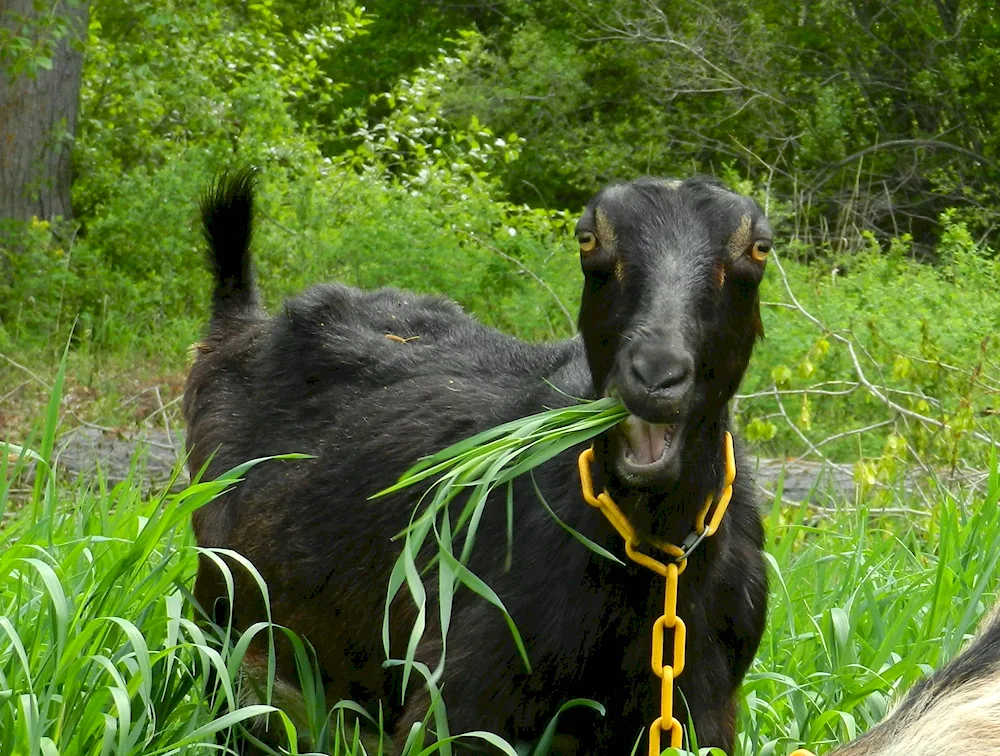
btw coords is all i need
(679, 554)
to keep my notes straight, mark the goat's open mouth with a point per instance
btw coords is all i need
(647, 451)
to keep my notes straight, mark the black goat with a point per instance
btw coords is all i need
(370, 381)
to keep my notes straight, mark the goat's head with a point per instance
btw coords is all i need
(670, 311)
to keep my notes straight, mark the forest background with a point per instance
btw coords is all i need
(448, 146)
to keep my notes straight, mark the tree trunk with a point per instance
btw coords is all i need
(38, 109)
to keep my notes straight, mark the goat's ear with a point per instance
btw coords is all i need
(758, 324)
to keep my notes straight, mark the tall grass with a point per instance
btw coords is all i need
(863, 603)
(477, 466)
(100, 651)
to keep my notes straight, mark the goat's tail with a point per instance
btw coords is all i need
(227, 222)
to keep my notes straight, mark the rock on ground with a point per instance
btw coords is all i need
(90, 451)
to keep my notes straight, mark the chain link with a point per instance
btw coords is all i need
(671, 572)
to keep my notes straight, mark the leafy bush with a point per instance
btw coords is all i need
(924, 339)
(410, 205)
(42, 286)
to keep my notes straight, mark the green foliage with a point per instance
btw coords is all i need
(28, 40)
(41, 291)
(880, 134)
(159, 78)
(512, 267)
(411, 204)
(924, 337)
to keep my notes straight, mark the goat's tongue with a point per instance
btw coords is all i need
(646, 442)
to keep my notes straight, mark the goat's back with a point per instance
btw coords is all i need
(344, 369)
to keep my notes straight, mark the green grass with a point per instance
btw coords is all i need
(863, 603)
(100, 652)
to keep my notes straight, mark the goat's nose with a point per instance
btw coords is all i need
(661, 367)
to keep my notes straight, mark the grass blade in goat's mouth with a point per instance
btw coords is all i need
(500, 454)
(476, 467)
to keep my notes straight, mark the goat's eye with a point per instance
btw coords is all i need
(760, 250)
(588, 242)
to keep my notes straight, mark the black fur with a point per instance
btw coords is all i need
(322, 377)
